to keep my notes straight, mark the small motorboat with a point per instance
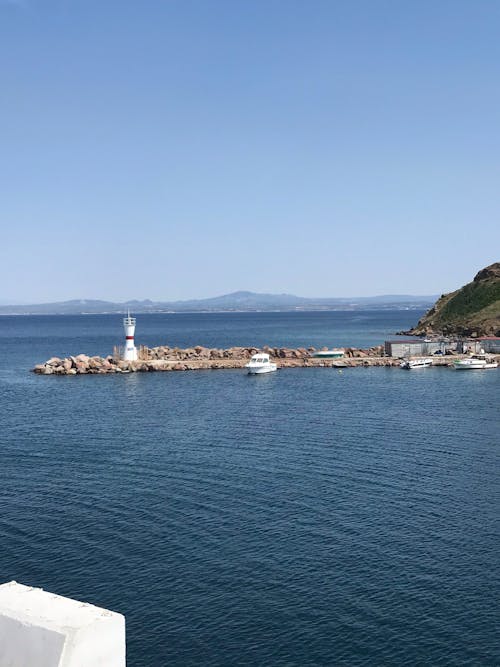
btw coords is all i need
(334, 353)
(419, 362)
(476, 362)
(260, 363)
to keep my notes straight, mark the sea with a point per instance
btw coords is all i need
(306, 517)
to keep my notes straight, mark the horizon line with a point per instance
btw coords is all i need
(23, 303)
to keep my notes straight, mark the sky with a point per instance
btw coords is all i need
(171, 149)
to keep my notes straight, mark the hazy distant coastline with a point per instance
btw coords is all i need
(234, 302)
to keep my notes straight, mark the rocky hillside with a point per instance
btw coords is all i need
(473, 310)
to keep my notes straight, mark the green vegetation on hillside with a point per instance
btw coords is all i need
(473, 310)
(471, 299)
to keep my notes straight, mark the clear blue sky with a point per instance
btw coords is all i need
(171, 149)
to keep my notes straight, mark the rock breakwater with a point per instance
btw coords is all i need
(164, 358)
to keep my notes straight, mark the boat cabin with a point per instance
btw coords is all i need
(260, 358)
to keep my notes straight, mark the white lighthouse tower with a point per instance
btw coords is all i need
(130, 351)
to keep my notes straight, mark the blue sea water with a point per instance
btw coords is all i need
(307, 517)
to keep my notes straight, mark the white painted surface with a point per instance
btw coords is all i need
(260, 363)
(40, 629)
(130, 351)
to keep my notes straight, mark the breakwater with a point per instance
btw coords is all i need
(164, 358)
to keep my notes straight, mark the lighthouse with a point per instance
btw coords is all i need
(130, 351)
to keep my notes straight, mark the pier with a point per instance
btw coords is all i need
(164, 358)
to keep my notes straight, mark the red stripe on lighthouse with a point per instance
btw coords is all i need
(129, 337)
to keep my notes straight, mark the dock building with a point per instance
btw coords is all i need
(490, 344)
(419, 347)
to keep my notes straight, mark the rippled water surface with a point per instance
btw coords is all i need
(307, 517)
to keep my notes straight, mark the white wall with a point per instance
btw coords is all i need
(40, 629)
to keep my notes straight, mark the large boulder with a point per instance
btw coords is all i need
(95, 362)
(82, 367)
(82, 358)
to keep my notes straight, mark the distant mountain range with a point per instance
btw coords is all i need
(236, 301)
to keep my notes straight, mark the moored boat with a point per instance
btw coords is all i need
(260, 363)
(475, 362)
(419, 362)
(334, 353)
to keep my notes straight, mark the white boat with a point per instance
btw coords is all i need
(260, 363)
(475, 362)
(419, 362)
(334, 353)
